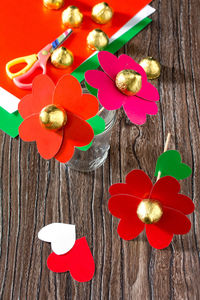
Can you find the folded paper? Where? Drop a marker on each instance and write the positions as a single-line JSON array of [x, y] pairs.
[[66, 95], [169, 163], [110, 97], [159, 209], [61, 236]]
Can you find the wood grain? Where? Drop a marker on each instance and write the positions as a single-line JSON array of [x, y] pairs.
[[35, 192]]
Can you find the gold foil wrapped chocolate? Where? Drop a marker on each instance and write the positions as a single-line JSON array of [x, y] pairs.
[[128, 82], [102, 13], [53, 117], [149, 211], [53, 4], [62, 58], [97, 39], [72, 17], [151, 66]]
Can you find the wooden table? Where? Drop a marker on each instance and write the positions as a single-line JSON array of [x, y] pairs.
[[35, 192]]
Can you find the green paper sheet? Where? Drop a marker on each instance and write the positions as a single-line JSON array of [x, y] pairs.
[[93, 63], [9, 123]]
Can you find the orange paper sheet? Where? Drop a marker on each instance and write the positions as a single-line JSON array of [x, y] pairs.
[[27, 26]]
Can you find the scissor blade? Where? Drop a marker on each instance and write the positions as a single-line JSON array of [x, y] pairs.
[[60, 40]]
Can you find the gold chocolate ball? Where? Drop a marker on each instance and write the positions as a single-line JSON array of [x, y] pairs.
[[97, 39], [149, 211], [53, 117], [53, 4], [151, 66], [102, 13], [72, 16], [128, 82], [62, 58]]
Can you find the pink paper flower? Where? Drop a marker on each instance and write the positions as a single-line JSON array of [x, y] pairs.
[[110, 97]]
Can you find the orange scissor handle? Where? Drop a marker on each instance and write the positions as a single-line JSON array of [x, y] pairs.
[[29, 60]]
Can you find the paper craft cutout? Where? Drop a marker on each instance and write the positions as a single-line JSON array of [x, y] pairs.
[[126, 197], [78, 107], [98, 126], [9, 123], [137, 106], [61, 236], [8, 101], [15, 18], [169, 163], [78, 261]]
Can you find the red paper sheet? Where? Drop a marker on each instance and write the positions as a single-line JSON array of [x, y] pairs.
[[27, 26]]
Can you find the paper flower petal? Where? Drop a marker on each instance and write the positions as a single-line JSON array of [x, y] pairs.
[[148, 92], [169, 196], [157, 237], [26, 107], [42, 95], [140, 182], [78, 261], [108, 95], [109, 63], [129, 63], [61, 236], [98, 126], [68, 94], [66, 152], [97, 79], [48, 142], [182, 203], [110, 98], [130, 228], [169, 164], [121, 188], [123, 206], [77, 132], [27, 130], [42, 90], [161, 193], [137, 109], [174, 221]]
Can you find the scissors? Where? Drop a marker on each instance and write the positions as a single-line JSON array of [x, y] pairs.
[[34, 62]]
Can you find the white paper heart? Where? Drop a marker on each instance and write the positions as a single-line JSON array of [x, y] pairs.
[[61, 236]]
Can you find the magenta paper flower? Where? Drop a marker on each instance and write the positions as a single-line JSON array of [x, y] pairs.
[[110, 97]]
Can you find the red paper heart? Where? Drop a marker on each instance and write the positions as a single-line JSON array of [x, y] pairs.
[[78, 261]]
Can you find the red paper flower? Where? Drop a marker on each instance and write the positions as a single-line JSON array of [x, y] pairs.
[[158, 208], [69, 101]]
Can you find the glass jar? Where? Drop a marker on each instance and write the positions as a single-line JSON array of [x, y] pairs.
[[96, 155]]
